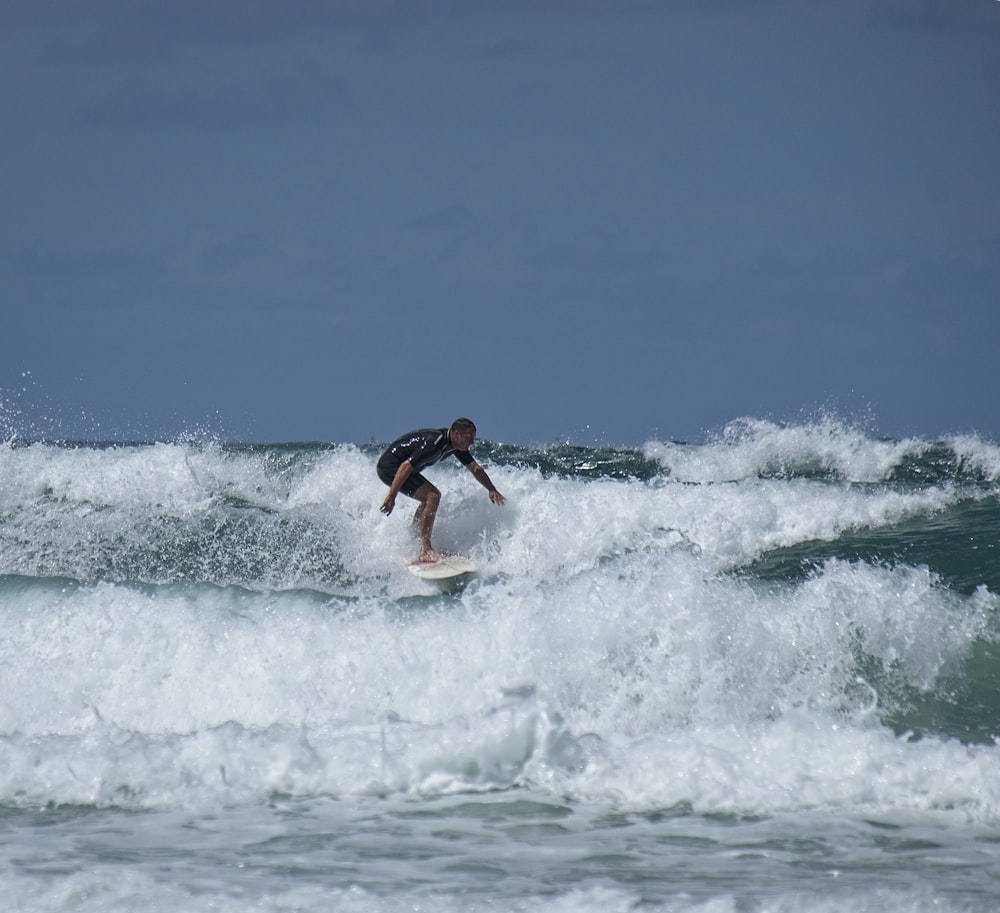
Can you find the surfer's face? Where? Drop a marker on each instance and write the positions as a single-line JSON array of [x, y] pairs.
[[462, 440]]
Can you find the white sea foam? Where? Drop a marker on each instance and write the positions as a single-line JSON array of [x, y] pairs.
[[202, 635], [747, 448], [123, 890], [978, 454], [640, 679]]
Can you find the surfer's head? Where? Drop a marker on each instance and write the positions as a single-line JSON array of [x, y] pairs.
[[462, 433]]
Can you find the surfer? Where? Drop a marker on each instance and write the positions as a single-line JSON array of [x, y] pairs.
[[399, 468]]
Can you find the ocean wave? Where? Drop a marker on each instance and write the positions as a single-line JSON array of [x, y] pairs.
[[829, 449], [762, 623]]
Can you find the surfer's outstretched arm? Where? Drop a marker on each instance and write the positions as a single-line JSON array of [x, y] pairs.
[[483, 479]]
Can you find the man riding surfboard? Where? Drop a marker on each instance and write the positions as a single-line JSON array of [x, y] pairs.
[[399, 468]]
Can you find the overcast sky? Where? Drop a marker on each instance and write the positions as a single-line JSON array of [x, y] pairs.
[[601, 221]]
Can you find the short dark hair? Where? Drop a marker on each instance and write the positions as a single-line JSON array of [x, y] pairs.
[[463, 424]]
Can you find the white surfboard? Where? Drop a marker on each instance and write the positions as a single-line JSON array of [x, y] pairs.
[[442, 569]]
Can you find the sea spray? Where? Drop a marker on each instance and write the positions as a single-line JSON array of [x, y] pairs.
[[781, 645]]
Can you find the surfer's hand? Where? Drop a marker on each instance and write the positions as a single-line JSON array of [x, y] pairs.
[[388, 504], [497, 498]]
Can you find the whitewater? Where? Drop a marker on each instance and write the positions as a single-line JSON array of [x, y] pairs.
[[758, 673]]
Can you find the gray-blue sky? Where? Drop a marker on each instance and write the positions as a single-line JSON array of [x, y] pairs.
[[602, 220]]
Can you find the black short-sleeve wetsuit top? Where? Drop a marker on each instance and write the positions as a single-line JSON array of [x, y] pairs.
[[422, 448]]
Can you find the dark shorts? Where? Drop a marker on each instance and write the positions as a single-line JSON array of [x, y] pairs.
[[412, 483]]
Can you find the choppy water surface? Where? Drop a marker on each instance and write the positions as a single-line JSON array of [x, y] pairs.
[[756, 674]]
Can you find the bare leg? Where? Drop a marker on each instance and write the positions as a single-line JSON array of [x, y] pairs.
[[429, 498]]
